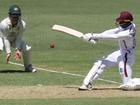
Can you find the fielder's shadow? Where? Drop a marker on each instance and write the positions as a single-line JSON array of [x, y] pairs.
[[12, 71]]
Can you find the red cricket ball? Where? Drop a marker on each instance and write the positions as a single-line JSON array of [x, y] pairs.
[[52, 45]]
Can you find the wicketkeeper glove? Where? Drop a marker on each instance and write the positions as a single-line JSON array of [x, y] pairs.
[[8, 57], [17, 55]]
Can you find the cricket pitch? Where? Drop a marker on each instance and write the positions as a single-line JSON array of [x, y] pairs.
[[44, 92]]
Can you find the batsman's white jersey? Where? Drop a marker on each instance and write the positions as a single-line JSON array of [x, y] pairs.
[[124, 57], [125, 37], [12, 37]]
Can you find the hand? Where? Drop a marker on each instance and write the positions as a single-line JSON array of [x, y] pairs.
[[17, 55], [87, 36], [8, 57]]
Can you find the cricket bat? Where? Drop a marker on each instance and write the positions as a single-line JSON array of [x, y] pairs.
[[70, 31]]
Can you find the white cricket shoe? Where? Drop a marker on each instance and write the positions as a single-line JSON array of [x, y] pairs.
[[137, 87], [126, 87], [85, 87], [133, 84], [136, 83], [29, 68]]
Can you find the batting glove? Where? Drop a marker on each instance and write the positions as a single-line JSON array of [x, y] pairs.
[[8, 58], [89, 38], [17, 55]]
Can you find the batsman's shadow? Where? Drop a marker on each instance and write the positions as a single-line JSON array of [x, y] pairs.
[[96, 88], [12, 71], [106, 88]]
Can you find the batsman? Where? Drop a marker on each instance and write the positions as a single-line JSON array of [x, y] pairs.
[[123, 58], [11, 32]]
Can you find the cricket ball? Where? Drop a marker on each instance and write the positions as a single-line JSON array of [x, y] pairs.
[[52, 45]]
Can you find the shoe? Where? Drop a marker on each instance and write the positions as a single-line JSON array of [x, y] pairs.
[[133, 84], [137, 87], [136, 83], [85, 87], [29, 68], [126, 87], [129, 87]]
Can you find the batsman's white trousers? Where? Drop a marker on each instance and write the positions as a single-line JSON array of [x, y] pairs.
[[121, 58], [124, 60]]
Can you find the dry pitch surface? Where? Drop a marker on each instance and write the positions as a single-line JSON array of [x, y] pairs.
[[28, 92]]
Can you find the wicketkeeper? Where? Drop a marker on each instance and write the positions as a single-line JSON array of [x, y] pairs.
[[11, 31], [123, 57]]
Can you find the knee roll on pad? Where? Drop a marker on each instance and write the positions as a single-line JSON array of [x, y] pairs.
[[98, 63]]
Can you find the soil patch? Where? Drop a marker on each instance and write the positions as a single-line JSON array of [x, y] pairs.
[[28, 92]]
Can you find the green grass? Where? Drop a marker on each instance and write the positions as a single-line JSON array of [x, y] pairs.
[[70, 54], [77, 101]]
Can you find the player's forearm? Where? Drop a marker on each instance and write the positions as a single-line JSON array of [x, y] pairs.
[[110, 36], [7, 45]]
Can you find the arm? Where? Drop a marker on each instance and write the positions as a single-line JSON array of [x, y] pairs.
[[8, 51], [113, 36], [6, 43], [20, 35], [1, 30], [18, 46], [19, 41]]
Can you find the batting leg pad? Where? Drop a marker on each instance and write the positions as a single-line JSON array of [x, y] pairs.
[[94, 73]]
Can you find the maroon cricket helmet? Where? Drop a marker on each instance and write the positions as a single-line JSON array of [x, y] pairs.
[[124, 17]]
